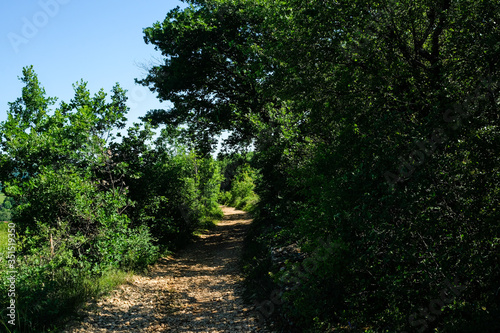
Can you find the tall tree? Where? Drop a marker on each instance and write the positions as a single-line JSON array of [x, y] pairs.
[[212, 71]]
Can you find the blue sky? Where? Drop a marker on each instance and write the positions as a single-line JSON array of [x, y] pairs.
[[100, 42]]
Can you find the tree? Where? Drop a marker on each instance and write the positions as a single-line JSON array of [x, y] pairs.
[[174, 191], [36, 140], [212, 71], [69, 198], [375, 124]]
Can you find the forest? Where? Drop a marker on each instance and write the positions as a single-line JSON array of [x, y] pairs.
[[363, 138]]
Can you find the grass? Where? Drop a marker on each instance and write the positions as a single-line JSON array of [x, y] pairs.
[[205, 226], [74, 296], [109, 281], [3, 238], [92, 289], [4, 327], [210, 221]]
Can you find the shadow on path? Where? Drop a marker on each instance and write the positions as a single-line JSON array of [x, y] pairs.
[[196, 290]]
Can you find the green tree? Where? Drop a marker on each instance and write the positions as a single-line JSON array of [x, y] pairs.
[[172, 188], [374, 124], [69, 199], [36, 139], [224, 88]]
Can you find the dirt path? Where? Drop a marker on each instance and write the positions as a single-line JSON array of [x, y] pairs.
[[197, 290]]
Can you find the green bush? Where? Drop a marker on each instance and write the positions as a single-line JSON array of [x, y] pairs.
[[69, 202], [225, 197], [50, 286], [5, 215], [240, 187], [130, 249]]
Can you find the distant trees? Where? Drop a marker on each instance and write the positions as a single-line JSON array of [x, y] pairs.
[[173, 189], [375, 124]]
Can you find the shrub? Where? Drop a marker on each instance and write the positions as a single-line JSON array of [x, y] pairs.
[[130, 249]]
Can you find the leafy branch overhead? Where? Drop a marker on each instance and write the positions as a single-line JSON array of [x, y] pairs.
[[211, 71]]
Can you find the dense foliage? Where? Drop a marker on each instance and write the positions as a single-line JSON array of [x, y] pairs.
[[375, 127], [5, 207], [88, 206], [238, 186]]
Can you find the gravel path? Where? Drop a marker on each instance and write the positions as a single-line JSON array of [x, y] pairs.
[[197, 290]]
